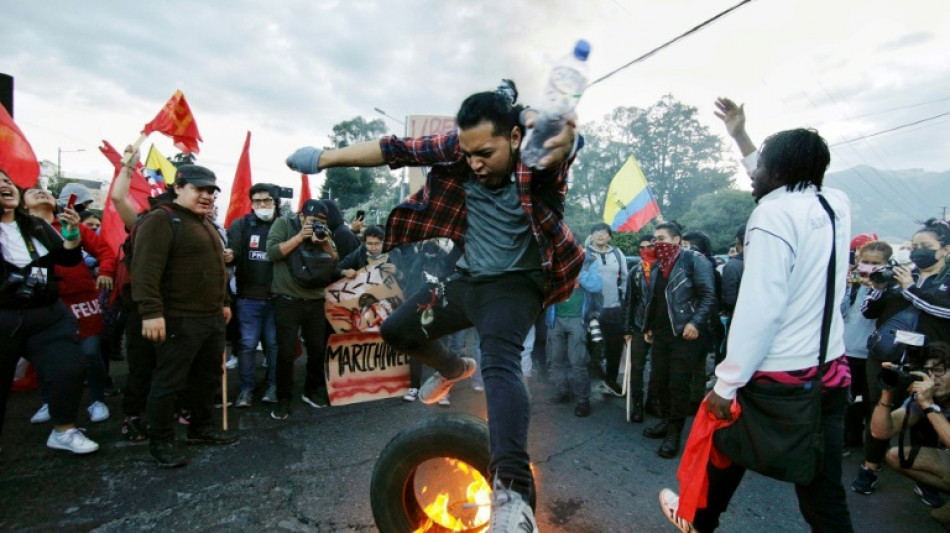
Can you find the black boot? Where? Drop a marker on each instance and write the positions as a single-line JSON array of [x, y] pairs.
[[659, 431], [166, 453], [670, 447], [636, 411]]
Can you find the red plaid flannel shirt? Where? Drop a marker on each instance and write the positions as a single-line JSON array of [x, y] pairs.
[[438, 209]]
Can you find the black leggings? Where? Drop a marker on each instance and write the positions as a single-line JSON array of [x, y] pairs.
[[47, 337]]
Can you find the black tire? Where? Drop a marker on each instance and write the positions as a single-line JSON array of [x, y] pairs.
[[392, 497]]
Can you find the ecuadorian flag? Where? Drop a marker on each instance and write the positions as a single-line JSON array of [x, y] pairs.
[[160, 165], [630, 203]]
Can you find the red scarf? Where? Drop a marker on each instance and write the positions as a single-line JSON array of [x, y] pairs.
[[667, 253]]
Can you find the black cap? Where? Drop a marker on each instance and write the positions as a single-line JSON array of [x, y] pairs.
[[198, 176], [312, 208]]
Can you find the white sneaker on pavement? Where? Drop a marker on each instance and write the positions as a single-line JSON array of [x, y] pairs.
[[41, 416], [412, 395], [98, 411], [72, 440], [445, 402], [670, 502], [232, 363], [437, 387], [509, 512]]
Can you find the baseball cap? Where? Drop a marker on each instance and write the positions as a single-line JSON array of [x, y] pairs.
[[198, 176], [862, 239], [312, 208]]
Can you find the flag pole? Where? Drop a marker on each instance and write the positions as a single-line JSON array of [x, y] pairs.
[[135, 148], [224, 389]]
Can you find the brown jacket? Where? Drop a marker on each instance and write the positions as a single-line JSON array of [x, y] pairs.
[[189, 280]]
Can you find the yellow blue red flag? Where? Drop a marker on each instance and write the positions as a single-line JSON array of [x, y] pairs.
[[630, 203], [158, 163]]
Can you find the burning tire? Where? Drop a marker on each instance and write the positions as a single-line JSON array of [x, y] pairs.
[[393, 490]]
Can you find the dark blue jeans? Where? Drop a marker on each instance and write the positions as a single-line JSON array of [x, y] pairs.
[[256, 320], [822, 503], [502, 309]]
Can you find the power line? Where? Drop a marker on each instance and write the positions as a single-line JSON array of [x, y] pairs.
[[902, 107], [668, 43], [895, 128]]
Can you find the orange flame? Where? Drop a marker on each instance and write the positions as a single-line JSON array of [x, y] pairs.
[[477, 495]]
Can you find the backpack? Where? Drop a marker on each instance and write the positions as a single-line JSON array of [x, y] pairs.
[[882, 344], [123, 272], [310, 266]]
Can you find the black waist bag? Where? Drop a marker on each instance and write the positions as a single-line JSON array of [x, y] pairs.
[[778, 433], [312, 267]]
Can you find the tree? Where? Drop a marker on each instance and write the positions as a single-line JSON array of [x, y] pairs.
[[680, 158], [719, 215], [353, 186]]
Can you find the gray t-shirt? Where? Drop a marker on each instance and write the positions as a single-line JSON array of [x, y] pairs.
[[498, 238]]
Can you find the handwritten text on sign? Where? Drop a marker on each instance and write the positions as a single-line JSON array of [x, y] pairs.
[[360, 367]]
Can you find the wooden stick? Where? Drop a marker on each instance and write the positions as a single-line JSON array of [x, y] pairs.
[[626, 379], [224, 389], [135, 148]]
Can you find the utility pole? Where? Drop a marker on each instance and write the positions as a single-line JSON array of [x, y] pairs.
[[944, 217]]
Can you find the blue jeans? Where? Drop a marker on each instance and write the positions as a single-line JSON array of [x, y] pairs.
[[256, 320], [502, 309], [567, 354]]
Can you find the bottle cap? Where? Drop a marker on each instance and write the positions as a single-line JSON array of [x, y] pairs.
[[582, 49]]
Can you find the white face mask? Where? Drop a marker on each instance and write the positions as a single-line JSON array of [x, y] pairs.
[[902, 256], [264, 214]]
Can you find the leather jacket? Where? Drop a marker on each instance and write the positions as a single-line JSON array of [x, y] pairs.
[[690, 293], [635, 300]]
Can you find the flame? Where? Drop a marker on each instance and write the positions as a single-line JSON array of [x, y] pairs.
[[477, 495]]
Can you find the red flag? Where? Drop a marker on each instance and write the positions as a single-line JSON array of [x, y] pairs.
[[113, 229], [240, 204], [176, 121], [304, 191], [16, 155]]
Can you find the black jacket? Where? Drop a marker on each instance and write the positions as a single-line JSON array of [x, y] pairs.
[[731, 278], [343, 237], [690, 293], [42, 294], [635, 300]]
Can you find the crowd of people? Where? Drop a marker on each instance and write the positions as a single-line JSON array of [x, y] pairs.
[[483, 249]]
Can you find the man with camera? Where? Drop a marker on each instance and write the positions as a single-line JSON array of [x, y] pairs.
[[613, 271], [299, 309], [925, 412]]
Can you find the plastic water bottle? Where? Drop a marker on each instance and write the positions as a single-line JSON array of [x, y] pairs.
[[565, 86]]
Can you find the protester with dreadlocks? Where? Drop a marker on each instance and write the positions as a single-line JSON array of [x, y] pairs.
[[518, 256], [785, 323]]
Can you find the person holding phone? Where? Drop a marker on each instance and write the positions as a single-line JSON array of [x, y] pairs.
[[34, 323]]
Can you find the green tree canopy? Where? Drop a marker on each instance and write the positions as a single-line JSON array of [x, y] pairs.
[[680, 158], [354, 186], [719, 215]]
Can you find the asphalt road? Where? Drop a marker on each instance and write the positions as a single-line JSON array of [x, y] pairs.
[[312, 473]]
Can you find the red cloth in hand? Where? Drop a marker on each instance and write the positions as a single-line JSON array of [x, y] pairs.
[[699, 451]]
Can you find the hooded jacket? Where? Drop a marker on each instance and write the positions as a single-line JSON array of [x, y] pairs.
[[346, 241]]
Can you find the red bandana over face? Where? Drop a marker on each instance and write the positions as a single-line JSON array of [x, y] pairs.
[[667, 253]]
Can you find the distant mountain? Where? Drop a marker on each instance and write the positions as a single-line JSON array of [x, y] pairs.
[[891, 202]]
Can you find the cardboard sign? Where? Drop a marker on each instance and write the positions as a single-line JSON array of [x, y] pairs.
[[362, 303], [420, 126], [360, 367]]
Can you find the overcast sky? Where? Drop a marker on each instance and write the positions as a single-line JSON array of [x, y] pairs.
[[289, 70]]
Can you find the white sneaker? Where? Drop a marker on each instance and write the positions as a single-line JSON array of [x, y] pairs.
[[509, 512], [411, 395], [478, 388], [445, 402], [670, 502], [41, 416], [232, 363], [437, 387], [72, 440], [98, 411]]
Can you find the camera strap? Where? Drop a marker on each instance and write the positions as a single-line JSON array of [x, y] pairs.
[[908, 460], [30, 247], [829, 294]]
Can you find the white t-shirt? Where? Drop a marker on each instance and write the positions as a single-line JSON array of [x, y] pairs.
[[14, 247]]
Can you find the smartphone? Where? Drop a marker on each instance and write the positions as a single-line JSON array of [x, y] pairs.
[[71, 202], [360, 215]]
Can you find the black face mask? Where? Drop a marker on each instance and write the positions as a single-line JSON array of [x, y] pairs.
[[923, 258]]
